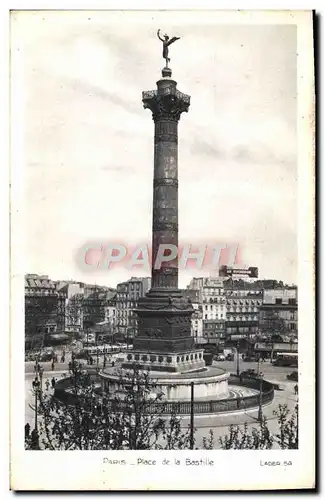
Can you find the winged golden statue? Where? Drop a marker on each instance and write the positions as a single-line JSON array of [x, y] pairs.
[[166, 42]]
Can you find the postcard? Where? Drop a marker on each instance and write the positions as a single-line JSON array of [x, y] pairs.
[[162, 250]]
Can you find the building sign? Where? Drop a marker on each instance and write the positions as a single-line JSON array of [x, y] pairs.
[[251, 272]]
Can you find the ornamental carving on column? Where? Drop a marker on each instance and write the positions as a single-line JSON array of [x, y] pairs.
[[168, 105], [165, 182], [164, 226]]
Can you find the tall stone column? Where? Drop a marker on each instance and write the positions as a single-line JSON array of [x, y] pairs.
[[164, 340], [166, 104]]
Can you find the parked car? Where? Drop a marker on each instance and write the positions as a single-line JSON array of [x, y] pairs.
[[47, 356], [220, 357], [80, 354], [248, 358], [249, 373], [293, 376]]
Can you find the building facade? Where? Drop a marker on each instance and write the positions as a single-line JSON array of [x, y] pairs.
[[212, 304], [95, 303], [127, 296], [44, 311], [73, 307], [196, 319], [279, 312], [242, 319]]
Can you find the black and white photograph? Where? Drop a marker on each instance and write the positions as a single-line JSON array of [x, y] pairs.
[[162, 179]]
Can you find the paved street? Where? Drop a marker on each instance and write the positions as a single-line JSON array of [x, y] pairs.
[[270, 372], [218, 423]]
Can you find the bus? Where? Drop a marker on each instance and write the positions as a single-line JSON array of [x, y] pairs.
[[286, 359], [103, 349]]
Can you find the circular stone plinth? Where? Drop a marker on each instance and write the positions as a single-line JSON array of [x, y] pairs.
[[210, 382]]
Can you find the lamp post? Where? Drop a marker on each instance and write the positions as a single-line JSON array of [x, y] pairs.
[[237, 353], [192, 418], [36, 387], [258, 364], [260, 409], [97, 354], [41, 370]]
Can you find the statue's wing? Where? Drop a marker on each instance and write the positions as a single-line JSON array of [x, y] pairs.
[[172, 40]]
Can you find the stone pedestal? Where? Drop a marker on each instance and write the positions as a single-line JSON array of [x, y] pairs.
[[210, 383]]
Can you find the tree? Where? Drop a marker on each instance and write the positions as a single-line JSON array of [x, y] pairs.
[[288, 435], [260, 438], [241, 439], [87, 421]]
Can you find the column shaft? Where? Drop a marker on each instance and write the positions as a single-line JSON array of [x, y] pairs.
[[165, 202]]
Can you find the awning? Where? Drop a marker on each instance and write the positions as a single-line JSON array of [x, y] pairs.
[[59, 336]]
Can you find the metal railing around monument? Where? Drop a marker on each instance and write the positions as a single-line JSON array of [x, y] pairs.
[[184, 407]]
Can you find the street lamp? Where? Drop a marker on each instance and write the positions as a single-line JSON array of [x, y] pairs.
[[97, 354], [36, 387], [41, 371], [237, 353], [192, 418], [260, 408]]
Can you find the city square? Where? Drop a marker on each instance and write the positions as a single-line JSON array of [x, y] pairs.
[[147, 364]]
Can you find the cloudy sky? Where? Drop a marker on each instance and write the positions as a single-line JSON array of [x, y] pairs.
[[88, 155]]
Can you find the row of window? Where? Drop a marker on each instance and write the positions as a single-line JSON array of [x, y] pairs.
[[126, 305], [242, 309], [291, 302], [211, 307], [212, 291], [214, 316], [127, 298], [240, 329], [243, 318], [212, 334], [218, 300], [250, 302]]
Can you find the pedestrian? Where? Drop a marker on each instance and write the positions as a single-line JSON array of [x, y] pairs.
[[53, 382], [296, 389], [53, 365], [34, 437], [104, 362], [113, 363], [47, 384], [27, 430]]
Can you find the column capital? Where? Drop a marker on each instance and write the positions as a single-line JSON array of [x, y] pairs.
[[166, 103]]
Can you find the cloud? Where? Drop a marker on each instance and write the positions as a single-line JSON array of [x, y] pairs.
[[89, 142]]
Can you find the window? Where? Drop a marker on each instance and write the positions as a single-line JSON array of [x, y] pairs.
[[292, 302], [205, 316], [278, 301]]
